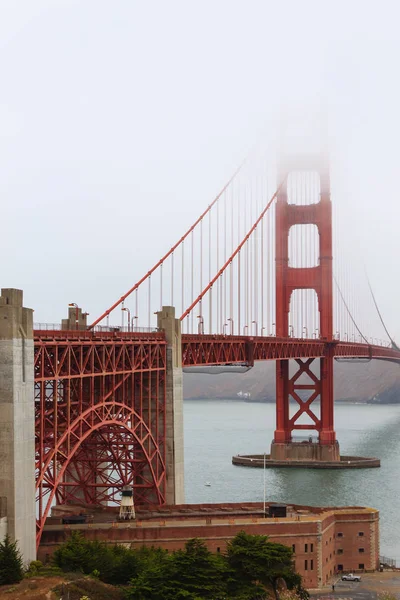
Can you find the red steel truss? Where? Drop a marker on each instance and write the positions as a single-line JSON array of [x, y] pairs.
[[205, 350], [100, 418]]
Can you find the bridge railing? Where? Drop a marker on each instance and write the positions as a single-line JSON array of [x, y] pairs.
[[98, 328]]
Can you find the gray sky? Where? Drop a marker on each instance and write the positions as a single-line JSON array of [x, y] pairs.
[[119, 122]]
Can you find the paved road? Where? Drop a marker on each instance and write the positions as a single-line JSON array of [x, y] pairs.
[[368, 588]]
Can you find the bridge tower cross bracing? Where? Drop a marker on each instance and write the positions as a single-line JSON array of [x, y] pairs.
[[320, 279]]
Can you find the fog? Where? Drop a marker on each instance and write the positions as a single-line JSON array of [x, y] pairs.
[[120, 121]]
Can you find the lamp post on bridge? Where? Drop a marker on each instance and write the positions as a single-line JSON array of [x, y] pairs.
[[346, 337], [126, 309], [232, 324], [291, 331], [262, 329], [134, 327], [272, 332], [244, 329], [76, 313], [256, 324], [200, 327], [224, 328], [306, 330], [337, 335]]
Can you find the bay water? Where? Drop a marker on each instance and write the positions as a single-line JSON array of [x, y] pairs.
[[215, 430]]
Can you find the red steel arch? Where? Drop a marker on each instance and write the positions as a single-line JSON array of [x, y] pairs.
[[100, 418]]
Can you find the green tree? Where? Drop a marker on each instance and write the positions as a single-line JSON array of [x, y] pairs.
[[190, 574], [11, 568], [255, 562], [111, 563]]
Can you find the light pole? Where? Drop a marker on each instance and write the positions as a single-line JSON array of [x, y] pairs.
[[273, 328], [262, 329], [256, 324], [265, 483], [337, 335], [126, 309], [232, 324], [316, 333], [346, 337], [306, 330], [134, 327], [291, 331], [224, 328], [244, 329], [76, 313], [200, 328]]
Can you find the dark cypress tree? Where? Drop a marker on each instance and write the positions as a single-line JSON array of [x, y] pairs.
[[11, 568]]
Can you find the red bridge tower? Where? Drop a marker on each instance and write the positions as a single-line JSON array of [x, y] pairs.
[[310, 381]]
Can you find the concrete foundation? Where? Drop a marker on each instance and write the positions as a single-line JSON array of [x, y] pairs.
[[174, 410], [345, 462], [17, 421], [307, 451]]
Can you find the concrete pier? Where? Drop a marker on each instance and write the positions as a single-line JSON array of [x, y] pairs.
[[174, 411], [17, 421]]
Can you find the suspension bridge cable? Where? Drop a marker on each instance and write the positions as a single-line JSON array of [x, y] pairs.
[[171, 251], [349, 313], [394, 345], [230, 259]]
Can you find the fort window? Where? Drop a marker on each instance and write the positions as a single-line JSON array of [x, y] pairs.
[[312, 565], [305, 547], [305, 565], [361, 549], [340, 567], [340, 551], [361, 566], [360, 533], [218, 549], [340, 535], [311, 547], [294, 548]]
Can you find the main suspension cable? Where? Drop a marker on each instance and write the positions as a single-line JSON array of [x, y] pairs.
[[394, 345]]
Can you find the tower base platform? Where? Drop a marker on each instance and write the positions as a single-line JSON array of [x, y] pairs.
[[271, 461]]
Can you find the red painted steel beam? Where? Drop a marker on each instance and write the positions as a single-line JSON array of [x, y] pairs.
[[100, 404], [222, 350]]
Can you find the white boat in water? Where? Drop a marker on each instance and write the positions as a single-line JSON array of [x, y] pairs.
[[243, 394], [208, 484]]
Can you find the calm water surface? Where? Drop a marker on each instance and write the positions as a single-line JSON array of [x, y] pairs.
[[216, 430]]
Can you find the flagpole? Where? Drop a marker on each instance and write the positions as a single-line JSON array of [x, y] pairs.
[[264, 483]]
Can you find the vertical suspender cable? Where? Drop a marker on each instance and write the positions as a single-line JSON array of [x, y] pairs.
[[161, 285], [218, 283], [172, 279], [149, 299], [192, 276], [183, 277], [201, 265], [239, 293], [136, 315]]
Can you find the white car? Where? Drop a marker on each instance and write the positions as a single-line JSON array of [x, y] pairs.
[[351, 577]]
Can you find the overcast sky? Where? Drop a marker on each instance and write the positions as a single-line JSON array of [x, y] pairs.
[[121, 120]]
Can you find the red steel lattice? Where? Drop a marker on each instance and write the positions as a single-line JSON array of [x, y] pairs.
[[100, 418]]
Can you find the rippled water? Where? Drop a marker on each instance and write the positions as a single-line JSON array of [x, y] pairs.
[[216, 430]]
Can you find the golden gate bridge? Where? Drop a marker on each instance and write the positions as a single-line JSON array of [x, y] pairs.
[[252, 279]]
